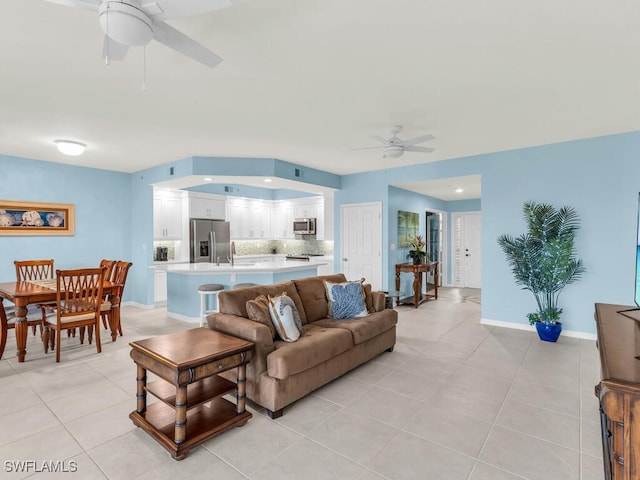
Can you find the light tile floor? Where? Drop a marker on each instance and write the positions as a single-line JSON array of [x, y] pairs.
[[454, 400]]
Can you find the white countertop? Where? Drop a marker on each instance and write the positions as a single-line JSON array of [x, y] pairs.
[[243, 266]]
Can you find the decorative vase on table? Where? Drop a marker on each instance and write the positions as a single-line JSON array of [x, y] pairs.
[[417, 254]]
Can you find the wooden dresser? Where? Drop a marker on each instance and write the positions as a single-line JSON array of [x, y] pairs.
[[619, 389]]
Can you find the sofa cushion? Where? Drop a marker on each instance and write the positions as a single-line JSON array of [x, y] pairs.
[[284, 316], [313, 296], [346, 300], [258, 311], [368, 297], [235, 301], [364, 328], [316, 345]]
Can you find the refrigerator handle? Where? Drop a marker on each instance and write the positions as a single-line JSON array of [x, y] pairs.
[[213, 249]]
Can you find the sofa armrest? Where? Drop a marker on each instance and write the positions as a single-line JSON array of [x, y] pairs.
[[249, 330], [378, 301]]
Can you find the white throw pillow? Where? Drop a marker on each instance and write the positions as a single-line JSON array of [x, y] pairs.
[[346, 300], [285, 318]]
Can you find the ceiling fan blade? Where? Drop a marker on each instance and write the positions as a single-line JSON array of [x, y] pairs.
[[380, 139], [413, 141], [368, 148], [163, 9], [172, 38], [419, 149], [112, 50], [90, 4]]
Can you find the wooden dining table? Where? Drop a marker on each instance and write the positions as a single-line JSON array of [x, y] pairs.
[[23, 294]]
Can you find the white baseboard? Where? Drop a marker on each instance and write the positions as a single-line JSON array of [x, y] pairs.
[[184, 318], [138, 305], [531, 328]]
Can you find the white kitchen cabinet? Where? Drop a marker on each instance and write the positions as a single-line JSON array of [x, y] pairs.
[[249, 219], [237, 218], [160, 286], [312, 207], [282, 224], [206, 206], [167, 215]]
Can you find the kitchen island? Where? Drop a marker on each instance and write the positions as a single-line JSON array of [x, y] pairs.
[[183, 280]]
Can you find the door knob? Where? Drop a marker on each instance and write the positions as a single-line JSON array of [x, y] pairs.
[[345, 259]]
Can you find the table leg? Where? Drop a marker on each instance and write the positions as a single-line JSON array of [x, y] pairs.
[[242, 388], [141, 390], [4, 329], [21, 332], [417, 288], [181, 415], [436, 280], [114, 321]]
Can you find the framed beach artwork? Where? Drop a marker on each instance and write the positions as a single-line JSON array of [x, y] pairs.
[[408, 226], [31, 218]]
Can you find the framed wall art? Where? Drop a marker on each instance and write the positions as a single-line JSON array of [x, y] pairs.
[[408, 226], [31, 218]]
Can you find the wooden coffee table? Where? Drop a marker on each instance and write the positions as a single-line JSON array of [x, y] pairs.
[[191, 409]]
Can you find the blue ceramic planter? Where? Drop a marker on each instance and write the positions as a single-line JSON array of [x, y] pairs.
[[548, 333]]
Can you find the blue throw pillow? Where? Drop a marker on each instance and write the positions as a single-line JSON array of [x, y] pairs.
[[346, 300]]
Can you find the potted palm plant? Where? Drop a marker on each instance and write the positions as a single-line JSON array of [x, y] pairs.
[[417, 253], [543, 261]]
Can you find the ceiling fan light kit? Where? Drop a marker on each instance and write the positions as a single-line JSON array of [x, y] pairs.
[[130, 23], [125, 24]]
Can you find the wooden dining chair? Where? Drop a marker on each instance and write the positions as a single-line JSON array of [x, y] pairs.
[[26, 271], [4, 327], [78, 301], [111, 308]]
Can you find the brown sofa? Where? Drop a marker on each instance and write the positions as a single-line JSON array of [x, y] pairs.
[[279, 372]]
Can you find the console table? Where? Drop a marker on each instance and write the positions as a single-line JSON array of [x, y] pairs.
[[191, 409], [418, 271]]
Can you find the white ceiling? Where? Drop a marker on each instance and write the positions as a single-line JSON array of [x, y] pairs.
[[306, 81]]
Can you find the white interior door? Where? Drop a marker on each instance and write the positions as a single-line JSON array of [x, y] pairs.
[[467, 252], [361, 245]]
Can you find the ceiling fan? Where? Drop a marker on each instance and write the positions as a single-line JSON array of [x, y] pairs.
[[134, 23], [395, 146]]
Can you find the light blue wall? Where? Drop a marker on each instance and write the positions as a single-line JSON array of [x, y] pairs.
[[600, 177], [102, 202]]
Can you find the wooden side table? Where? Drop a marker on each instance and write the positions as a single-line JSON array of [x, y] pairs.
[[417, 271], [191, 409]]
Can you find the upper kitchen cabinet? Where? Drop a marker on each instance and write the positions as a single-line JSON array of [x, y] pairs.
[[167, 214], [249, 219], [312, 207], [282, 220], [203, 205]]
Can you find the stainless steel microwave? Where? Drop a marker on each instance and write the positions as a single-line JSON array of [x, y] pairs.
[[304, 226]]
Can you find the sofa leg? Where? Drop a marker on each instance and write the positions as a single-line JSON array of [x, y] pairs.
[[390, 349], [275, 414]]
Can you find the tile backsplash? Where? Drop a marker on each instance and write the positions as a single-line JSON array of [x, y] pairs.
[[296, 247]]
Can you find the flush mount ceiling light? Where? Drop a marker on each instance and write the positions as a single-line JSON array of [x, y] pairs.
[[208, 179], [69, 147], [459, 190], [268, 180]]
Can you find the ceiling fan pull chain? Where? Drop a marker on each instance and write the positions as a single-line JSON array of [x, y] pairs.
[[108, 39], [144, 69]]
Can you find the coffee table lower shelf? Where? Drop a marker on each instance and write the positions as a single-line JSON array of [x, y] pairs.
[[203, 422]]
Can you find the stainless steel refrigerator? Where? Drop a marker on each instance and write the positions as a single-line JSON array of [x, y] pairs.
[[210, 241]]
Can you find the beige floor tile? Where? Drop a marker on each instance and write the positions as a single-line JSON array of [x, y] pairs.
[[550, 398], [129, 455], [591, 438], [94, 398], [26, 422], [410, 457], [103, 425], [482, 471], [54, 444], [544, 424], [371, 372], [530, 457], [342, 391], [406, 384], [354, 435], [451, 429], [387, 406], [307, 413], [81, 466], [8, 395], [309, 461], [592, 468], [250, 447], [476, 402], [200, 464]]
